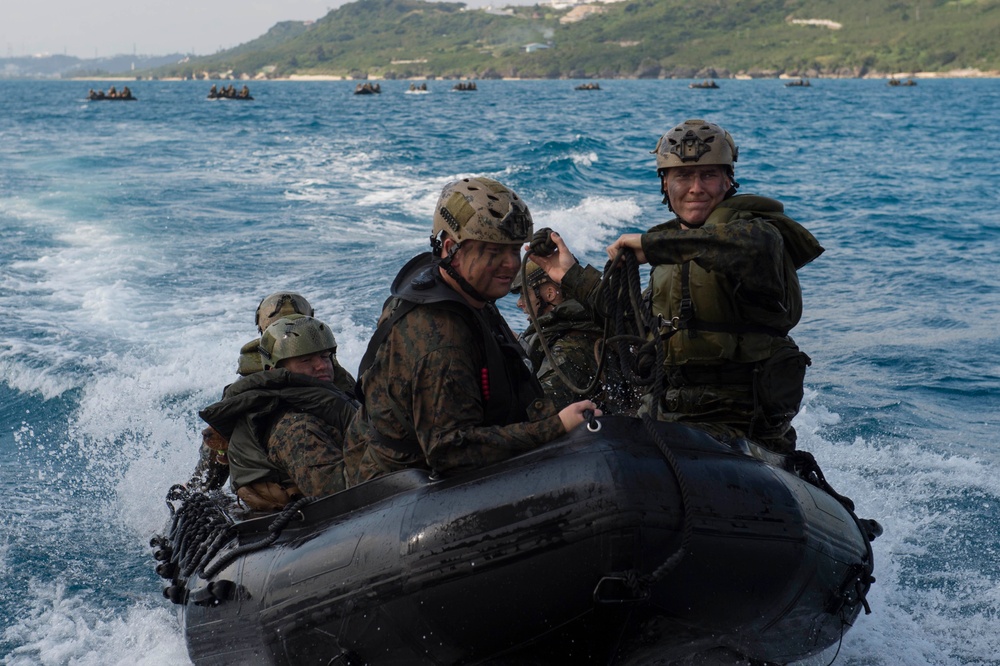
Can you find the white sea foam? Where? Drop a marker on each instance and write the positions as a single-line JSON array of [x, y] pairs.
[[58, 626], [901, 486], [591, 225]]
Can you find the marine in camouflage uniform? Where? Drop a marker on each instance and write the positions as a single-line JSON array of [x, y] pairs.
[[445, 384], [285, 427], [725, 289], [212, 469], [574, 341]]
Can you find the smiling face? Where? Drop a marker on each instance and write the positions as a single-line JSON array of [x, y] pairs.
[[488, 267], [695, 191]]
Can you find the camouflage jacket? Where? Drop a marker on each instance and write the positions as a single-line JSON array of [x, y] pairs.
[[284, 427], [427, 392], [740, 269], [573, 338]]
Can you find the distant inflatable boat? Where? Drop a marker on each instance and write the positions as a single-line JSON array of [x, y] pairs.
[[704, 84], [631, 544]]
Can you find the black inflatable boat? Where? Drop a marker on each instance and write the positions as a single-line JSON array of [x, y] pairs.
[[617, 546]]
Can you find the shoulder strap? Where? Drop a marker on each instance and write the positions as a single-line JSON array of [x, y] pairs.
[[399, 310]]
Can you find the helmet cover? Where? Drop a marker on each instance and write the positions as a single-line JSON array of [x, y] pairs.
[[482, 209], [280, 304], [694, 143], [294, 335]]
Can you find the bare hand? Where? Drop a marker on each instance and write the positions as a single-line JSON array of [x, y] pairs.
[[573, 415], [558, 263], [632, 242]]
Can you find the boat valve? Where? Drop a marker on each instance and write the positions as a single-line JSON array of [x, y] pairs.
[[593, 425]]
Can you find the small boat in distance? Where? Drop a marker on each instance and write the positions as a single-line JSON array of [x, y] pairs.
[[798, 83], [230, 92], [707, 83], [368, 89], [588, 86], [125, 95]]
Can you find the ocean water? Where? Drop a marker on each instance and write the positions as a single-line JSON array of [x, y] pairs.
[[138, 237]]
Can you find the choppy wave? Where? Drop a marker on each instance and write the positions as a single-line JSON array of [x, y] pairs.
[[139, 238]]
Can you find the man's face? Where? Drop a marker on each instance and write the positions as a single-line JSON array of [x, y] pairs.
[[317, 366], [548, 291], [489, 267], [695, 191]]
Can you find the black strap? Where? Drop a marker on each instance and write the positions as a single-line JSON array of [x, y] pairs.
[[400, 309]]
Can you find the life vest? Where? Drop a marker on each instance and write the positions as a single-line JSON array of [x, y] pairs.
[[509, 385], [252, 405], [716, 326]]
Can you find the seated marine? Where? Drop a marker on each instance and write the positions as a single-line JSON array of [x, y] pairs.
[[575, 343], [212, 469], [286, 424], [444, 382]]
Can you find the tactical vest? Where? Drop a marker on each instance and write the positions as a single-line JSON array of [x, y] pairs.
[[509, 384], [714, 326]]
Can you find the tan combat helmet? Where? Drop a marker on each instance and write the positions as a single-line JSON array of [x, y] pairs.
[[481, 209], [695, 142], [294, 335], [535, 276], [280, 304]]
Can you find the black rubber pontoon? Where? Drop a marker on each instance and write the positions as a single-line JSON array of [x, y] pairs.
[[571, 553]]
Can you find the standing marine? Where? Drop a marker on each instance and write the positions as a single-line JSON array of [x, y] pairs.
[[723, 294], [444, 385]]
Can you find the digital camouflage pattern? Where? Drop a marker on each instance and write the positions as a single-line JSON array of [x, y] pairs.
[[424, 407], [283, 428], [212, 470], [310, 450], [573, 339], [742, 272]]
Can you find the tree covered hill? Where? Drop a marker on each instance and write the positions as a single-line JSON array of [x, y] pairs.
[[627, 39]]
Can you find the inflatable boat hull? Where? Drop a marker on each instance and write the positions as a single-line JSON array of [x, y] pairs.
[[566, 554]]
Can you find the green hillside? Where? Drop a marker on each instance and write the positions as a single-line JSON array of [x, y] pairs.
[[630, 39]]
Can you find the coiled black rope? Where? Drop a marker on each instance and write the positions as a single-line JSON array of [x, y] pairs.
[[275, 528], [199, 530], [643, 361]]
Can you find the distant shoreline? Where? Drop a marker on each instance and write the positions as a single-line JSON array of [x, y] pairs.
[[951, 74]]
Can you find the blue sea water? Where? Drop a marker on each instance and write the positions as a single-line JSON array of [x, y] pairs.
[[138, 237]]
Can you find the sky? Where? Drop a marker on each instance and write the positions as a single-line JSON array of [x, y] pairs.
[[99, 28]]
